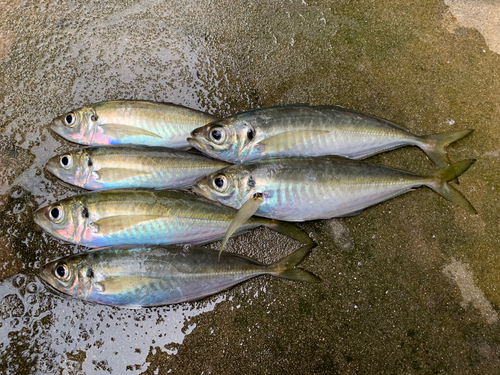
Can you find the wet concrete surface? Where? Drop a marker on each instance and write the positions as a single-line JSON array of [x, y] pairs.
[[409, 286]]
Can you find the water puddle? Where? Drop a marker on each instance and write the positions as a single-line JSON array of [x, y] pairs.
[[42, 332]]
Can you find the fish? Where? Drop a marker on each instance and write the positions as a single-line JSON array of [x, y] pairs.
[[161, 275], [113, 167], [302, 131], [301, 189], [145, 217], [127, 122]]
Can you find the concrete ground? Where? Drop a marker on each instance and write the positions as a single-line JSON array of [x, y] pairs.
[[409, 286]]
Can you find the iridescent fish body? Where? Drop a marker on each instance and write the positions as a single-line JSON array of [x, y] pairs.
[[145, 217], [113, 167], [153, 276], [302, 130], [299, 189], [126, 122]]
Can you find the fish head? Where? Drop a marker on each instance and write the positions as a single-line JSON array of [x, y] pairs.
[[71, 275], [77, 126], [230, 139], [64, 219], [74, 167], [231, 186]]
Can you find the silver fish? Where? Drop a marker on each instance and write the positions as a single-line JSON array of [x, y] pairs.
[[127, 122], [143, 277], [299, 189], [113, 167], [145, 217], [301, 131]]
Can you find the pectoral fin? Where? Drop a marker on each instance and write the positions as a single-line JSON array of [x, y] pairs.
[[118, 174], [245, 212], [119, 285], [124, 131], [119, 223], [288, 140]]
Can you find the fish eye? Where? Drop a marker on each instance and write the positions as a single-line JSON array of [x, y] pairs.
[[66, 161], [62, 271], [220, 182], [94, 117], [56, 213], [218, 135], [70, 119]]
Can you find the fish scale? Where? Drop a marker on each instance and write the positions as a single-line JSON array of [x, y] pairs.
[[302, 131], [299, 189], [131, 122], [138, 217], [112, 167], [152, 276]]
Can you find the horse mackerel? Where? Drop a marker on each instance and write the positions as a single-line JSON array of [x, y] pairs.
[[302, 130], [300, 189], [145, 217], [113, 167], [153, 276], [130, 122]]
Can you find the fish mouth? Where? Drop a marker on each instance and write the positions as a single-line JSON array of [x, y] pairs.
[[52, 166], [199, 191], [46, 273], [41, 220], [60, 130], [55, 128], [199, 145], [57, 125]]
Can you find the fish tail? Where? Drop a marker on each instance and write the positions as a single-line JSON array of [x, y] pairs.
[[289, 230], [434, 145], [285, 268], [440, 184]]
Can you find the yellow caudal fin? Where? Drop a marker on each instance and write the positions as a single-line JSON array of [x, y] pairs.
[[441, 186], [434, 145], [285, 268]]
